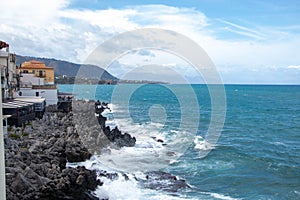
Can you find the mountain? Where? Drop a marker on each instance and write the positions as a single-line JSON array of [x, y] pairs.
[[70, 69]]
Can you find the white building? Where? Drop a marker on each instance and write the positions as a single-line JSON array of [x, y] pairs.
[[49, 92]]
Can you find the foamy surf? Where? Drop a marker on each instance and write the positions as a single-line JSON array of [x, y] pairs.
[[125, 187], [121, 189], [201, 144], [220, 196], [148, 154], [155, 147]]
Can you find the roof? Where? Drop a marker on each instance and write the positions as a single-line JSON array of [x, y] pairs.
[[3, 45], [30, 99], [34, 64], [16, 104]]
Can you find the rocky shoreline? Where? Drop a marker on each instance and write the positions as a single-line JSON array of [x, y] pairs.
[[37, 153], [114, 135], [36, 157]]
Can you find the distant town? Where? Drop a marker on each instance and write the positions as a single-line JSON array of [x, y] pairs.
[[80, 80]]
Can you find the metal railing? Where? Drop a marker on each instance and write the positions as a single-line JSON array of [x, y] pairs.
[[44, 87]]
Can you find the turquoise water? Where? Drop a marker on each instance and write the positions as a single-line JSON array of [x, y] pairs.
[[258, 153]]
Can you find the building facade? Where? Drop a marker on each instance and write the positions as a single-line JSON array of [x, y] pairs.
[[38, 69], [38, 80], [9, 76]]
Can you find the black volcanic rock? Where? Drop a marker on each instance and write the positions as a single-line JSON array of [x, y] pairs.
[[114, 135], [159, 180], [102, 121]]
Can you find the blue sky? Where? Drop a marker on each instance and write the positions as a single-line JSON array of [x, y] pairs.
[[254, 41], [255, 12], [270, 12]]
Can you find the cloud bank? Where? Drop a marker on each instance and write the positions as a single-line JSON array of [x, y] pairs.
[[249, 54]]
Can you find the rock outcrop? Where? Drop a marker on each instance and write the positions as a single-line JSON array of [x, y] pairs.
[[114, 135], [93, 130], [159, 180], [36, 157], [88, 128]]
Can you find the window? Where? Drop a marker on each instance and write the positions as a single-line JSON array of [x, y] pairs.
[[20, 93], [37, 94], [40, 73]]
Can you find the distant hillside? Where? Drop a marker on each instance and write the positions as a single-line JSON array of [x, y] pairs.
[[70, 69]]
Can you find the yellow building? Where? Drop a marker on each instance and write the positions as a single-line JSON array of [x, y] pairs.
[[39, 69]]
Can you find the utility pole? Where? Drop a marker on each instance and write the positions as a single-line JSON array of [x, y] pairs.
[[2, 151]]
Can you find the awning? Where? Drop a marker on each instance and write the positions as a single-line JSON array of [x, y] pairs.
[[30, 99], [16, 104], [5, 116]]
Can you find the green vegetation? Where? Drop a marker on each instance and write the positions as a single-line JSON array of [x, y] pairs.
[[25, 134], [14, 135]]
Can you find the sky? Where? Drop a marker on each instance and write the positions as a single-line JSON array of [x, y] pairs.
[[249, 41]]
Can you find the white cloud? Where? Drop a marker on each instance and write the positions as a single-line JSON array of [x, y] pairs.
[[294, 67], [33, 27], [171, 17], [31, 12], [243, 30], [110, 20]]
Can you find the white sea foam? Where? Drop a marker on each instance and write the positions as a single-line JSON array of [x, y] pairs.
[[202, 144], [278, 144], [167, 197], [220, 196], [119, 189], [154, 148]]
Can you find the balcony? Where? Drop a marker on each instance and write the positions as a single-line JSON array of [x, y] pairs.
[[4, 54], [41, 75], [54, 87], [16, 75]]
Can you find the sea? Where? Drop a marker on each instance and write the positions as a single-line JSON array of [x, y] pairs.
[[256, 156]]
